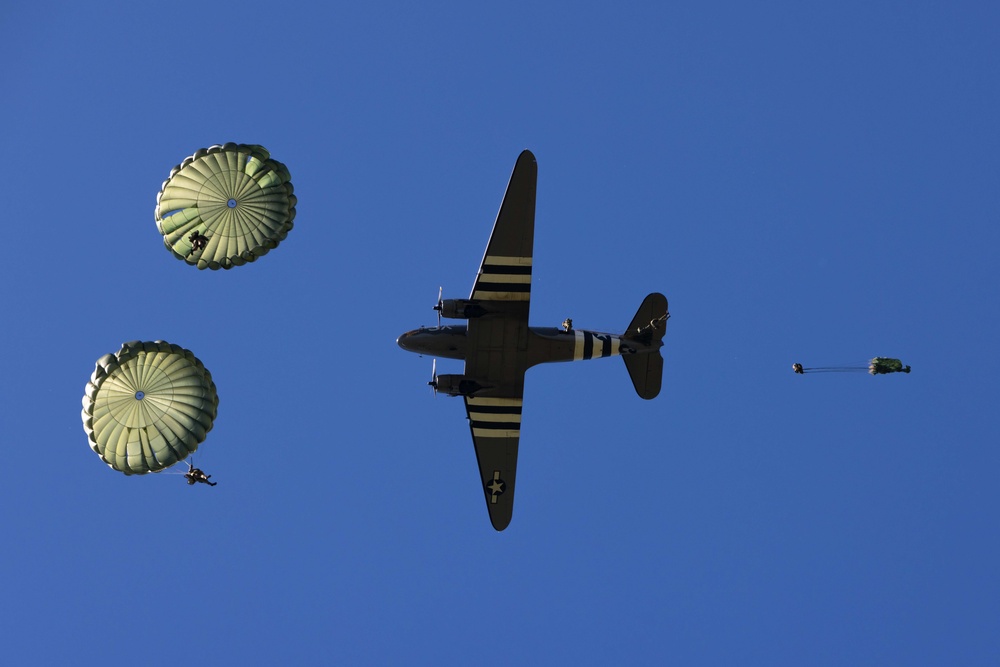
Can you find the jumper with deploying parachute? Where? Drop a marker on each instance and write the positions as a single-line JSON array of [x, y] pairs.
[[877, 366]]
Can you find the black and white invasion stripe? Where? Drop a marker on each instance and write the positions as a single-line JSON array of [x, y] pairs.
[[495, 417], [593, 345], [504, 279]]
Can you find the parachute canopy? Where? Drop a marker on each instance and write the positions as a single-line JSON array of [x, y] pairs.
[[877, 366], [226, 205], [883, 365], [148, 407]]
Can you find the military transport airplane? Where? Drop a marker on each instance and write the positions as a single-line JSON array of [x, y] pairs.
[[498, 346]]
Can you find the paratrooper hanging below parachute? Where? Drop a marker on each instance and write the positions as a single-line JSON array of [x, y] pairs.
[[877, 366]]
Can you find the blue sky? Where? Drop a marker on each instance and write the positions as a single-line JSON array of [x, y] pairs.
[[804, 181]]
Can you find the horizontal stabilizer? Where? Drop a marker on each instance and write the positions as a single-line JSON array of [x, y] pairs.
[[646, 371], [645, 337]]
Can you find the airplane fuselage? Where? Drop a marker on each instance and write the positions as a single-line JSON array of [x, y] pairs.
[[544, 344]]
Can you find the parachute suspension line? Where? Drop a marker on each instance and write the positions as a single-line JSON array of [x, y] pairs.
[[841, 368], [835, 369], [189, 461]]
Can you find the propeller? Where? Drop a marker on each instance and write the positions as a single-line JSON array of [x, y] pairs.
[[439, 305], [434, 377]]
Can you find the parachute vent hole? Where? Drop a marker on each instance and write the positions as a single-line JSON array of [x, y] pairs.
[[139, 395], [231, 203]]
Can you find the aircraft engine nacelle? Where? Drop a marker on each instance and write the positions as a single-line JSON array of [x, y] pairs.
[[457, 385], [461, 309]]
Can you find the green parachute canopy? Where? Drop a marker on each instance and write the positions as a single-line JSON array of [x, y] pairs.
[[877, 366], [148, 406], [226, 205], [883, 365]]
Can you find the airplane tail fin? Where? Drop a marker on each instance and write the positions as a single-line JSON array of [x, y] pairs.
[[643, 340]]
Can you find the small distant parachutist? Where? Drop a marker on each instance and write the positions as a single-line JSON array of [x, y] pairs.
[[194, 475], [644, 334], [198, 241], [655, 324], [877, 366]]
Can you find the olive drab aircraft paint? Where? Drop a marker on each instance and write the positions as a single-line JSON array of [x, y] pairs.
[[498, 346]]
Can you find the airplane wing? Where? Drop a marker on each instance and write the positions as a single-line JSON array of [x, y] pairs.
[[505, 272], [497, 343], [496, 428]]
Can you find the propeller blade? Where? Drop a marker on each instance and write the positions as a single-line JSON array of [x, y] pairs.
[[439, 305], [434, 377]]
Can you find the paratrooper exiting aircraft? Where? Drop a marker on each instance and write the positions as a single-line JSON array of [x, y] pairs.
[[498, 346]]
